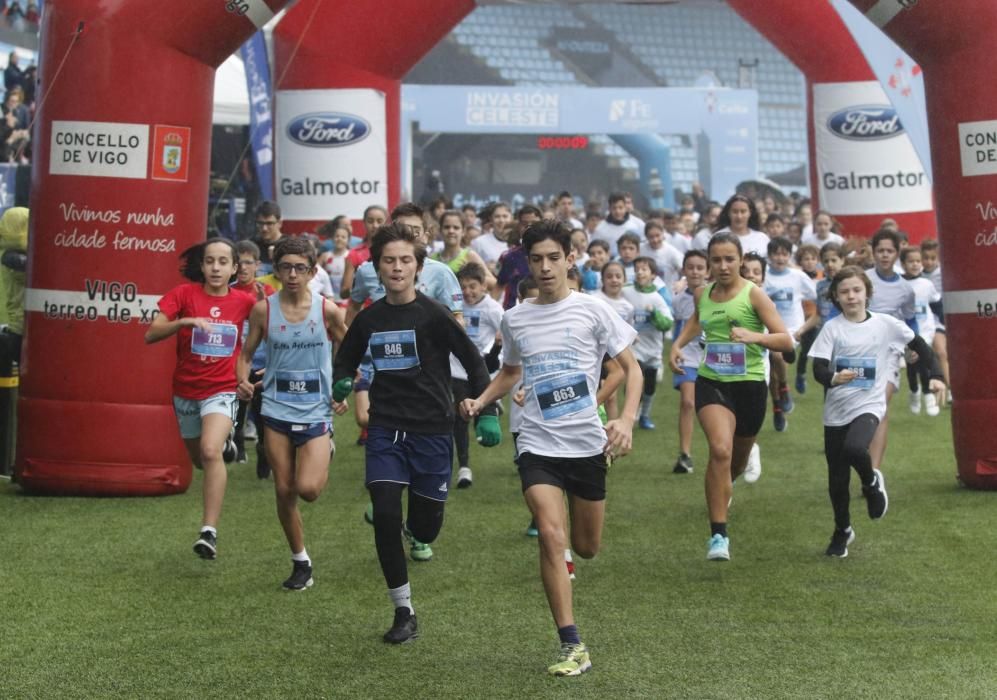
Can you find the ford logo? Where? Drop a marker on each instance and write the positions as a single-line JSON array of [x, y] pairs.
[[866, 123], [327, 129]]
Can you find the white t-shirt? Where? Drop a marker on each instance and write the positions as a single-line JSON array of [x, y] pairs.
[[489, 247], [668, 259], [683, 305], [650, 341], [623, 308], [609, 232], [870, 347], [893, 296], [752, 242], [482, 322], [924, 295], [560, 347], [321, 284], [335, 267], [681, 242], [812, 239], [788, 289]]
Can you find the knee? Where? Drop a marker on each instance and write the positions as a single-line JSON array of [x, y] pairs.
[[285, 491], [309, 492], [210, 454], [586, 550], [552, 536], [688, 404], [720, 454]]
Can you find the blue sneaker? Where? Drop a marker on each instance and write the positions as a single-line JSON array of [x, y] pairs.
[[801, 384], [645, 423], [719, 548], [779, 421], [531, 529], [787, 403]]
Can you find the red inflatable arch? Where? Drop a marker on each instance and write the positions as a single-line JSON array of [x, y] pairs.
[[122, 160]]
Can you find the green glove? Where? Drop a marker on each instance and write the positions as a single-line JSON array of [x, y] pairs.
[[661, 321], [342, 389], [488, 431], [603, 416]]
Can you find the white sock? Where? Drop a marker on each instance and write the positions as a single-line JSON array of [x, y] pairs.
[[301, 556], [208, 528], [401, 597], [567, 555]]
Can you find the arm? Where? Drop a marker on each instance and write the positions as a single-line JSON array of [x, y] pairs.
[[828, 377], [777, 338], [503, 383], [163, 328], [813, 320], [614, 377], [334, 322], [257, 319], [16, 260], [690, 329], [619, 432], [347, 284], [490, 281]]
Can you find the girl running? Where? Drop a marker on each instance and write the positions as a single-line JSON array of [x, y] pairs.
[[298, 327], [207, 318], [730, 390], [455, 254]]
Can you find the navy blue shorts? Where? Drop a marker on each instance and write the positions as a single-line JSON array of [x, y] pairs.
[[421, 462], [299, 433]]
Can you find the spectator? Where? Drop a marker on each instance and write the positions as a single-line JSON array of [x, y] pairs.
[[31, 15], [267, 233], [12, 74], [14, 127]]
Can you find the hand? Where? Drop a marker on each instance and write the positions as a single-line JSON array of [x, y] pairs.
[[798, 337], [740, 334], [469, 408], [843, 377], [340, 407], [488, 431], [938, 388], [619, 437], [520, 396], [199, 323], [674, 358], [341, 389], [244, 389]]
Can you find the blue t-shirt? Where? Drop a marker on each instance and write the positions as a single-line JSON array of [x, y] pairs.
[[437, 281]]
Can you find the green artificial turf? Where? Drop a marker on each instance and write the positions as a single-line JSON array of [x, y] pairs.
[[104, 598]]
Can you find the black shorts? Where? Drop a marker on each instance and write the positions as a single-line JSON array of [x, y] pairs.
[[584, 477], [747, 400]]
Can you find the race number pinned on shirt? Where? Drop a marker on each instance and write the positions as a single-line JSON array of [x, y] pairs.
[[219, 341], [472, 323], [864, 368], [298, 386], [642, 319], [394, 350], [783, 298], [921, 313], [726, 358], [562, 396]]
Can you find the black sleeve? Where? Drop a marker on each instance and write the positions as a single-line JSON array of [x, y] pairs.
[[924, 354], [937, 308], [822, 371], [468, 355], [15, 260], [351, 350], [492, 358]]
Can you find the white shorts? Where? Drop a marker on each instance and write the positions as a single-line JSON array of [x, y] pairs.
[[191, 411]]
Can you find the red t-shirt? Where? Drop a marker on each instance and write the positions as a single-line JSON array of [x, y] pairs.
[[206, 360], [359, 255]]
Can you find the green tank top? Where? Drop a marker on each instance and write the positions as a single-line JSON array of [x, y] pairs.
[[724, 360], [456, 263]]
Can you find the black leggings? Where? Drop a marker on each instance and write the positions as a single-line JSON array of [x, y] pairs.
[[425, 518], [240, 417], [806, 340], [847, 446], [650, 378], [461, 390], [919, 371]]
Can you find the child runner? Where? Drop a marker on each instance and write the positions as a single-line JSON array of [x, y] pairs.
[[592, 269], [373, 216], [245, 281], [925, 295], [629, 249], [652, 318], [665, 255], [335, 261], [410, 441], [933, 271], [694, 265], [563, 444], [852, 358], [298, 327], [807, 259], [788, 287], [207, 317], [730, 391], [482, 322], [753, 269], [613, 281], [832, 260], [739, 217]]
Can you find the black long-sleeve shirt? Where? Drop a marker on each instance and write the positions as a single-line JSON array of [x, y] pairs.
[[410, 345]]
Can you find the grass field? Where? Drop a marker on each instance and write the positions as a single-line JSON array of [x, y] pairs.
[[103, 597]]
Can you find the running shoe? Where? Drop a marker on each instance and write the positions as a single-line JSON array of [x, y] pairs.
[[300, 578], [786, 401], [403, 629], [719, 548], [572, 660], [206, 546], [914, 402], [801, 384], [464, 477], [683, 465], [419, 551], [839, 543], [531, 529], [779, 421], [645, 423], [368, 514], [240, 455], [875, 496], [754, 468], [362, 440], [931, 404], [571, 569], [229, 452]]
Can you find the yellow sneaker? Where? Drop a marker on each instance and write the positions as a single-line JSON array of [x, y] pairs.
[[573, 660]]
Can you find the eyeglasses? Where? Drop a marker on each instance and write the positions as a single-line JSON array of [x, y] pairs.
[[300, 268]]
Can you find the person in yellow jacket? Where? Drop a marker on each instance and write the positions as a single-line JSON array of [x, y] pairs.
[[13, 263]]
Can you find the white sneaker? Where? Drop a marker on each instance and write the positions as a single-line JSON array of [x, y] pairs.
[[753, 470], [463, 477], [930, 404], [914, 402]]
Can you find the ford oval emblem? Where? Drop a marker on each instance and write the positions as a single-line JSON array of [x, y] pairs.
[[866, 123], [327, 129]]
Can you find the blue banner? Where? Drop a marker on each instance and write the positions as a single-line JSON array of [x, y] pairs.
[[254, 56]]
